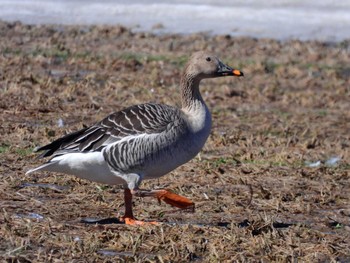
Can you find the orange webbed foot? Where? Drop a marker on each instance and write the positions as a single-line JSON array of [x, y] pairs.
[[133, 222], [168, 197], [174, 199]]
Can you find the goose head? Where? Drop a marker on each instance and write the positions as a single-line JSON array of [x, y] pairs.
[[204, 65]]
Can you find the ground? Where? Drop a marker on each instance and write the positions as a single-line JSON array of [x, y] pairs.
[[260, 192]]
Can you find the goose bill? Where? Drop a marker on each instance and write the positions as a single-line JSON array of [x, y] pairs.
[[228, 71]]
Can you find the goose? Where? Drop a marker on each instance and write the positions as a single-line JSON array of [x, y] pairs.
[[144, 141]]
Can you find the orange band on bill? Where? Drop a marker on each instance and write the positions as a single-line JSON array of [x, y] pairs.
[[236, 72]]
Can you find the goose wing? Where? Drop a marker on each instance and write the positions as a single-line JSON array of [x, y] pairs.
[[140, 119]]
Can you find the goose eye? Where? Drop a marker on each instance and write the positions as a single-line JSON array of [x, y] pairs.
[[208, 59]]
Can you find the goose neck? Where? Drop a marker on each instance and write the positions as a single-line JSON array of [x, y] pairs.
[[190, 94]]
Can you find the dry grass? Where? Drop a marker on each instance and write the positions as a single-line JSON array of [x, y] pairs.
[[256, 199]]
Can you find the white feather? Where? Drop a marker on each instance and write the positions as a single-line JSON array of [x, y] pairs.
[[90, 166]]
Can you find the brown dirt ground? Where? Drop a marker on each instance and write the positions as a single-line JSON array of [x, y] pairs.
[[256, 199]]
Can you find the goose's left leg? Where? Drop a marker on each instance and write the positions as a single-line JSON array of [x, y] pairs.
[[128, 217]]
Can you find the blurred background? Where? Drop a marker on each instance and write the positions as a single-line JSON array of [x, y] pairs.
[[325, 20]]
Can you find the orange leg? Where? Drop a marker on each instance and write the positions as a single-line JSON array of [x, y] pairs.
[[128, 217], [168, 197]]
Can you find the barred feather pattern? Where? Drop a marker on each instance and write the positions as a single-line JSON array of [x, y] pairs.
[[135, 153], [158, 128], [128, 138]]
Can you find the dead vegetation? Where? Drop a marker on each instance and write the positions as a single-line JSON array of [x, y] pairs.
[[257, 198]]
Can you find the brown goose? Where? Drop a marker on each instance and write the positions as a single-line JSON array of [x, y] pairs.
[[143, 141]]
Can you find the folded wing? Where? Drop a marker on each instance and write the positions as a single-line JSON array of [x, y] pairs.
[[136, 120]]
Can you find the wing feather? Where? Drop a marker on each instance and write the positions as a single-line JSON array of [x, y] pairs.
[[139, 119]]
